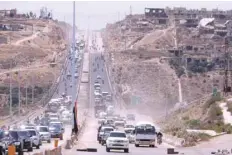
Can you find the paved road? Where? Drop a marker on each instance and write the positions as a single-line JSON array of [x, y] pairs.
[[70, 91], [88, 138]]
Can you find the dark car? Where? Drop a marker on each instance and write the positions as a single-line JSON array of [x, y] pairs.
[[56, 131], [21, 139], [3, 143]]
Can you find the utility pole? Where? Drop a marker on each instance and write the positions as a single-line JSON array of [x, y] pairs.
[[26, 93], [130, 10], [19, 92], [74, 104], [32, 89], [11, 88], [226, 88]]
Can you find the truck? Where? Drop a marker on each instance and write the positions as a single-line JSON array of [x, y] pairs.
[[99, 108]]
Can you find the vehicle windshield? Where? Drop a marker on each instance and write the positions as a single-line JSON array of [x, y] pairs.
[[1, 134], [145, 130], [29, 127], [128, 131], [118, 134], [32, 132], [119, 123], [24, 133], [108, 129], [14, 134], [129, 126], [43, 129], [56, 127], [104, 93]]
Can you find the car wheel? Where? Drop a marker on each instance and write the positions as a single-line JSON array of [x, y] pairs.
[[152, 145], [38, 146], [126, 150], [107, 149], [30, 149], [61, 138], [136, 145], [20, 152], [2, 152], [49, 141]]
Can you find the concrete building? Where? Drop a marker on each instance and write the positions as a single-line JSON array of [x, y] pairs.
[[157, 16]]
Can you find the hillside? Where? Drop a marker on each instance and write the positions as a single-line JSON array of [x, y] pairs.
[[30, 52], [139, 67]]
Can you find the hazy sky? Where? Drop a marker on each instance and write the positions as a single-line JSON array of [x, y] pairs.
[[100, 13]]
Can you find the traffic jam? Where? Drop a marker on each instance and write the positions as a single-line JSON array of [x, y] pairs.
[[115, 131], [34, 133]]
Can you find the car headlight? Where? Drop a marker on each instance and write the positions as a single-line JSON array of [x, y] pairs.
[[110, 141], [16, 143], [2, 144], [126, 141]]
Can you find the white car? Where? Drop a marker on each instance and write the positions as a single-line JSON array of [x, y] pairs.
[[76, 75], [117, 140], [35, 136], [98, 77], [69, 74], [68, 99], [129, 126], [103, 130], [130, 134], [119, 123], [44, 133], [66, 116], [53, 119], [131, 137], [101, 120]]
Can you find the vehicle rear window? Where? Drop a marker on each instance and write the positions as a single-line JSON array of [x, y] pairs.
[[24, 133], [108, 129], [118, 134], [1, 134], [32, 133], [56, 126], [29, 127], [43, 129], [128, 131], [129, 126]]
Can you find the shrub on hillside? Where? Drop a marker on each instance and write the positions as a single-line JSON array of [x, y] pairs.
[[212, 100]]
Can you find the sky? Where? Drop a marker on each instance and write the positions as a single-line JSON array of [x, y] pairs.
[[97, 14]]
